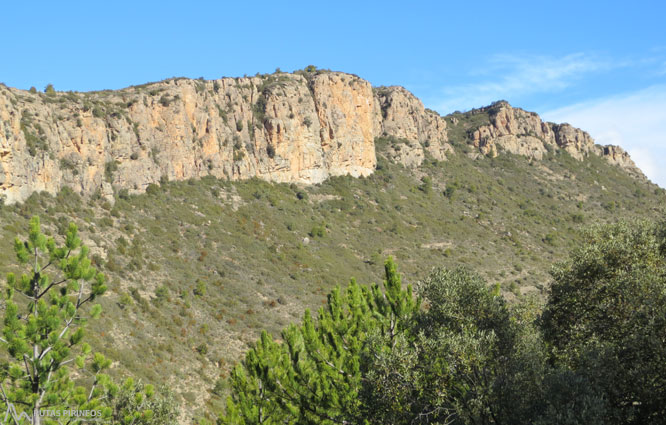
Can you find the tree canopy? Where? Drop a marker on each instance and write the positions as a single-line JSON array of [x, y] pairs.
[[456, 352], [45, 315]]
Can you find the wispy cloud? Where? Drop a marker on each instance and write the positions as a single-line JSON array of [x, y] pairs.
[[505, 76], [636, 121]]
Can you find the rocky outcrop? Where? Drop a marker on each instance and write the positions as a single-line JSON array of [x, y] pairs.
[[524, 133], [617, 156], [283, 128], [301, 127], [403, 116], [513, 130]]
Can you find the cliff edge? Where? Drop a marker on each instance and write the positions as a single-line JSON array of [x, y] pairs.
[[302, 127]]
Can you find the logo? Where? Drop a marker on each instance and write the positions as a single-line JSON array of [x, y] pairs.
[[85, 416], [11, 410]]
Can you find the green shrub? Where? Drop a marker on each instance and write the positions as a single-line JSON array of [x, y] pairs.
[[98, 112], [200, 289], [152, 189], [161, 295], [125, 300], [317, 231], [426, 185], [109, 168], [220, 387], [577, 218], [66, 164]]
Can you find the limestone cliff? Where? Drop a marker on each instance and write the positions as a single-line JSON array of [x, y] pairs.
[[524, 133], [403, 116], [301, 127]]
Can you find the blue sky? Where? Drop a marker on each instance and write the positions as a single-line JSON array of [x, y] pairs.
[[599, 65]]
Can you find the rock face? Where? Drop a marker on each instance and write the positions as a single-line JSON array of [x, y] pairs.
[[301, 128], [283, 128], [515, 131], [404, 117], [524, 133]]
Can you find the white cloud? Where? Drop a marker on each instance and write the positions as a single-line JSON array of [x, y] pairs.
[[635, 121], [519, 76], [646, 162]]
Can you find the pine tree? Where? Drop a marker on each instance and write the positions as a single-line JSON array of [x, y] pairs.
[[43, 328], [314, 377]]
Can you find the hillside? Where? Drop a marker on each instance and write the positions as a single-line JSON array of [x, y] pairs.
[[212, 252]]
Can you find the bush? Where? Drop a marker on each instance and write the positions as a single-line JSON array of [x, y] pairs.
[[109, 168], [577, 218], [549, 239], [66, 164], [317, 232], [426, 185], [152, 189], [161, 295], [98, 112], [137, 403], [200, 289], [220, 387]]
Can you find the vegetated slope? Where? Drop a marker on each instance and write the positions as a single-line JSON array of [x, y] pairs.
[[197, 268]]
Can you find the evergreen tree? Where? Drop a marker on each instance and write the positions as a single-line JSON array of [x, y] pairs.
[[594, 356], [43, 328], [606, 318], [443, 369], [314, 377]]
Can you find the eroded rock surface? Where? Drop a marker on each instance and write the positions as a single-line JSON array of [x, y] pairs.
[[300, 128], [524, 133]]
